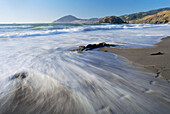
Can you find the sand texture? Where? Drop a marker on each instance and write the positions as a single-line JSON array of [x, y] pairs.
[[156, 59]]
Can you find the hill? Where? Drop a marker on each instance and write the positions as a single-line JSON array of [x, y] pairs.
[[67, 19], [159, 18], [112, 20], [73, 19], [140, 15], [151, 17]]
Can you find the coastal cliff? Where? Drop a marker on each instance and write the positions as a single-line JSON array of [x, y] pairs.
[[139, 15], [159, 18]]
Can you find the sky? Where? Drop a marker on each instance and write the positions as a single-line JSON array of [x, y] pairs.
[[18, 11]]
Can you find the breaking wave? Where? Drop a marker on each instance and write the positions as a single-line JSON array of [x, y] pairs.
[[45, 30]]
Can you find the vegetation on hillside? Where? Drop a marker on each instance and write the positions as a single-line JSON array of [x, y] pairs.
[[159, 18], [140, 15]]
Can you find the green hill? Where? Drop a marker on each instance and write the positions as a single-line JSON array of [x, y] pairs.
[[159, 18], [140, 15]]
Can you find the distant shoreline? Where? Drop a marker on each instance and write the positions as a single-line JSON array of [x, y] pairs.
[[155, 59]]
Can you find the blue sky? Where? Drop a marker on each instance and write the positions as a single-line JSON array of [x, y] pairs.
[[49, 10]]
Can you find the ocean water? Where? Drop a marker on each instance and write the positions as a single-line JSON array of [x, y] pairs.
[[57, 81]]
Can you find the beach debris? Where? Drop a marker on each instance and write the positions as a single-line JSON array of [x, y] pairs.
[[159, 53], [152, 82], [81, 49], [168, 80], [148, 90], [157, 74]]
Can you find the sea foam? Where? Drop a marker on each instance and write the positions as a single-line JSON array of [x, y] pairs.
[[56, 80]]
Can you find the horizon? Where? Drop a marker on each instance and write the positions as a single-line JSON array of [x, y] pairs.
[[31, 11]]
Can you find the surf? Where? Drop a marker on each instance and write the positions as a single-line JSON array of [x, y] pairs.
[[23, 31], [39, 73]]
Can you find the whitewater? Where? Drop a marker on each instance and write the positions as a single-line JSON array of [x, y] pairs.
[[40, 75]]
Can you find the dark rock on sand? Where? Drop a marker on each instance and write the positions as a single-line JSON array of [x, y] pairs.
[[159, 53], [21, 75], [112, 20], [92, 46]]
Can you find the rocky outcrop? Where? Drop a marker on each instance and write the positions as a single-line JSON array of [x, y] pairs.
[[92, 46], [20, 75], [112, 20], [159, 18]]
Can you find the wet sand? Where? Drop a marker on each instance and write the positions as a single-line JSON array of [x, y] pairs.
[[149, 58]]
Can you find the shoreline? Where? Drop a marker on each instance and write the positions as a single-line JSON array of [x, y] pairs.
[[155, 59]]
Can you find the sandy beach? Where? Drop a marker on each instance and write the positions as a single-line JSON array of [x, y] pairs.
[[155, 59]]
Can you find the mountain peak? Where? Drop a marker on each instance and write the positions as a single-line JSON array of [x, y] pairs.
[[73, 19], [67, 19]]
